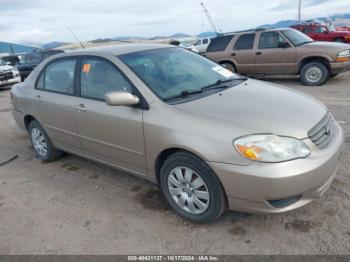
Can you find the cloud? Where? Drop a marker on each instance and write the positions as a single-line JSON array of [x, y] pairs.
[[32, 35], [47, 20]]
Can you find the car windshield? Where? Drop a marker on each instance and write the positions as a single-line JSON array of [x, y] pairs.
[[170, 72], [296, 37]]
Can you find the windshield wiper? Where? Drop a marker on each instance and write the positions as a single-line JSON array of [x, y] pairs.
[[183, 94], [306, 42], [218, 83]]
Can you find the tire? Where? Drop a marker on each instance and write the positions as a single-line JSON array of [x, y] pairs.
[[208, 200], [339, 40], [41, 143], [314, 73], [229, 66]]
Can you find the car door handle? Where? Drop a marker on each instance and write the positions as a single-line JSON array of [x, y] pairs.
[[38, 98], [81, 107], [258, 53], [233, 54]]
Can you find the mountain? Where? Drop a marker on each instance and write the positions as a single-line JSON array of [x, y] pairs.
[[207, 34], [53, 44], [179, 35], [338, 19]]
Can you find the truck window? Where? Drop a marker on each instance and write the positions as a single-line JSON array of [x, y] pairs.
[[245, 42], [219, 43]]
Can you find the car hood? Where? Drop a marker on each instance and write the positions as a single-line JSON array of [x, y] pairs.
[[260, 107], [5, 68], [319, 45]]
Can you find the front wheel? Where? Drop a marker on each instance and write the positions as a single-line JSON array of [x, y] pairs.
[[314, 73], [229, 66], [41, 143], [191, 188]]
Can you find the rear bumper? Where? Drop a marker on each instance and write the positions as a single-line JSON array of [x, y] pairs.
[[339, 67], [250, 188]]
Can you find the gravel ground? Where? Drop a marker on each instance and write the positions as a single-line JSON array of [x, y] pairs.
[[75, 206]]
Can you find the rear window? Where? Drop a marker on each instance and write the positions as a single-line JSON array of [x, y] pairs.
[[219, 43], [245, 42]]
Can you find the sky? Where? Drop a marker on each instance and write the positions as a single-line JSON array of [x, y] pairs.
[[47, 20]]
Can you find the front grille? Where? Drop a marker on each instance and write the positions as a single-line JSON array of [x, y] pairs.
[[6, 75], [322, 133]]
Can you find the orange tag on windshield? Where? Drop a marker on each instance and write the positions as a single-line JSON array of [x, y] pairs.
[[86, 68]]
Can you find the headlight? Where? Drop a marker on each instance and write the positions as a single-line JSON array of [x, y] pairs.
[[271, 148], [343, 56]]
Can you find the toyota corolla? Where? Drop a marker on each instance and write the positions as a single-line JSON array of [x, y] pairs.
[[211, 139]]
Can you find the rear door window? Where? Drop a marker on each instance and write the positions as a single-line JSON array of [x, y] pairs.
[[245, 42], [219, 43], [59, 77], [99, 77]]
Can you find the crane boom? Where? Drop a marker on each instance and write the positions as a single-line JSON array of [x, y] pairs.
[[209, 18]]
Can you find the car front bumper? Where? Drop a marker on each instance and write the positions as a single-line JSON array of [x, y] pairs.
[[10, 81], [254, 187], [339, 67]]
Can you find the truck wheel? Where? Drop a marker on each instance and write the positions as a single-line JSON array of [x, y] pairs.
[[192, 188], [314, 73], [229, 66], [339, 40]]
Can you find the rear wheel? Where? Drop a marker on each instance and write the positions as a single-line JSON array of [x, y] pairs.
[[191, 188], [314, 73], [41, 143], [229, 66]]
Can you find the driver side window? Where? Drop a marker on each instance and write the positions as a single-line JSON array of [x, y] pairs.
[[272, 40], [99, 77]]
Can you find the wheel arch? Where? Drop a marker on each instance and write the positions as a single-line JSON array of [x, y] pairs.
[[324, 59], [27, 120], [228, 62]]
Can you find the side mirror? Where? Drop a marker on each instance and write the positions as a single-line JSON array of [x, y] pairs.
[[325, 32], [121, 98], [283, 45]]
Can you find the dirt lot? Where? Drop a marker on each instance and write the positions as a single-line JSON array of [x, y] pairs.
[[74, 206]]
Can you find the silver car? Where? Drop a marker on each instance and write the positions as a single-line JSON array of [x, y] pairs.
[[211, 139]]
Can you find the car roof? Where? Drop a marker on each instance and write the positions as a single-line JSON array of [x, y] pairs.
[[120, 49], [251, 31]]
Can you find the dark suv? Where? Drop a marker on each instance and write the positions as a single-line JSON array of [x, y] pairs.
[[280, 52], [30, 60]]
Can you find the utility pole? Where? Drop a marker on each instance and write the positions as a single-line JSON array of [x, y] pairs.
[[209, 18], [299, 13]]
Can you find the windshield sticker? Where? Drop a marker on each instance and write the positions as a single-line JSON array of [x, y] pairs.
[[223, 71], [86, 68]]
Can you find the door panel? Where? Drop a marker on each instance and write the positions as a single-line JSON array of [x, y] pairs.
[[243, 54], [113, 134], [55, 103], [271, 58], [57, 114]]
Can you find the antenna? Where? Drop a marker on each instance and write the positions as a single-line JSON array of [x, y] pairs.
[[299, 12], [76, 37], [209, 18]]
